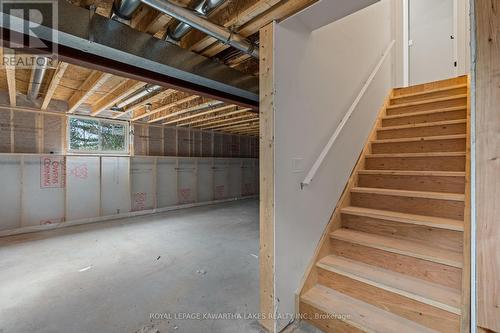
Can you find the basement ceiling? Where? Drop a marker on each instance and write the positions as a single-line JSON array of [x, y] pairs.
[[99, 93]]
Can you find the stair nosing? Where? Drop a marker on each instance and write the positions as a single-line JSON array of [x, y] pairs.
[[411, 194], [458, 86], [422, 138], [409, 155], [423, 113], [352, 301], [414, 219], [419, 125], [414, 254], [378, 284], [414, 173], [427, 101]]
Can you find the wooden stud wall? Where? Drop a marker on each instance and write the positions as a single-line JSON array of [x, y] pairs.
[[487, 93], [266, 253]]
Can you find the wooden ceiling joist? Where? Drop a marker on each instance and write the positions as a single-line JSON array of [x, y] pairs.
[[239, 13], [229, 122], [121, 91], [54, 83], [199, 106], [248, 129], [214, 117], [166, 107], [10, 74], [181, 121], [152, 99], [280, 10], [238, 125], [95, 80]]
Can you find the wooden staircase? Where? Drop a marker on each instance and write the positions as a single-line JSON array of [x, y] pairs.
[[394, 255]]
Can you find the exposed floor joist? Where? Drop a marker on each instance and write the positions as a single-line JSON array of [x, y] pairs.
[[93, 82], [54, 83], [121, 91]]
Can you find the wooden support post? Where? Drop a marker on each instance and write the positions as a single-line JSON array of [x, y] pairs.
[[266, 252], [487, 92]]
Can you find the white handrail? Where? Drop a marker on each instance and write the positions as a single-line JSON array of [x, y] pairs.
[[326, 149]]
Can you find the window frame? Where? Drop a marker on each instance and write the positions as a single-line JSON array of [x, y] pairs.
[[100, 151]]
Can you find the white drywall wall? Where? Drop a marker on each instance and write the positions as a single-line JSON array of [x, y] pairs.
[[462, 13], [317, 77]]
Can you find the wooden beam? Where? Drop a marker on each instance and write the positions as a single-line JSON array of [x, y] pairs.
[[167, 106], [54, 83], [121, 91], [248, 130], [95, 80], [10, 74], [156, 97], [228, 121], [198, 106], [243, 132], [247, 123], [266, 174], [218, 116], [207, 114], [235, 15], [487, 92], [281, 10]]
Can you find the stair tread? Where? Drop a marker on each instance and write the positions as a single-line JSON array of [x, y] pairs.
[[361, 315], [430, 91], [419, 125], [439, 296], [423, 113], [409, 193], [413, 173], [433, 154], [427, 101], [399, 246], [423, 138], [430, 221]]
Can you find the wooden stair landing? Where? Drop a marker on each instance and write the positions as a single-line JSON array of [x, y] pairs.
[[392, 257]]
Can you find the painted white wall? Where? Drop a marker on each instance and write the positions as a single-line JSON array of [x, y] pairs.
[[317, 76], [462, 12]]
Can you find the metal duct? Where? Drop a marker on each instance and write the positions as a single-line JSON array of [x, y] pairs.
[[37, 78], [124, 9], [191, 18], [149, 89], [204, 9]]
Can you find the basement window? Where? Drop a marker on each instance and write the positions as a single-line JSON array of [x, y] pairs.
[[97, 136]]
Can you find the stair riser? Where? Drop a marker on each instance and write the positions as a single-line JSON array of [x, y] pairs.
[[422, 146], [427, 118], [428, 106], [430, 95], [418, 312], [433, 163], [328, 325], [426, 87], [423, 269], [411, 205], [417, 132], [436, 237], [414, 183]]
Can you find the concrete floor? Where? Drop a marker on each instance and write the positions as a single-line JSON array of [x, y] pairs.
[[110, 277]]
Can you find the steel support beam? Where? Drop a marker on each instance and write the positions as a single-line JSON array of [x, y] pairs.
[[104, 44]]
